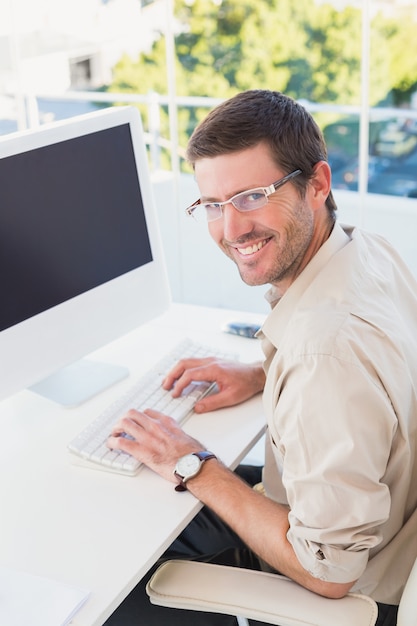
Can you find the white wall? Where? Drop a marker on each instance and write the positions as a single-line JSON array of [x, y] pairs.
[[393, 217]]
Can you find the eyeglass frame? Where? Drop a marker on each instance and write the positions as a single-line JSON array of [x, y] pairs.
[[268, 191]]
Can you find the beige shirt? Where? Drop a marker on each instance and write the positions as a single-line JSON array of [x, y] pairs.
[[341, 405]]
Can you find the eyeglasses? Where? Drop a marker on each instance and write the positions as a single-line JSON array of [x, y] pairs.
[[249, 200]]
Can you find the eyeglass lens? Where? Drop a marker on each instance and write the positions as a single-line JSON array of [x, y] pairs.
[[245, 201]]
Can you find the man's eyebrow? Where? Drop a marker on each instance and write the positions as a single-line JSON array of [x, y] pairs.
[[204, 199]]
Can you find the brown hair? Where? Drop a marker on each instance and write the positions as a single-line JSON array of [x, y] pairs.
[[260, 115]]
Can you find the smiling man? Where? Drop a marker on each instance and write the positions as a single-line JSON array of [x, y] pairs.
[[338, 510], [267, 246]]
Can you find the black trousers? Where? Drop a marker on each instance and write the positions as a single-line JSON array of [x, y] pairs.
[[205, 539]]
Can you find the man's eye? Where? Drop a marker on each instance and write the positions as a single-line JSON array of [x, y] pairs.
[[254, 196]]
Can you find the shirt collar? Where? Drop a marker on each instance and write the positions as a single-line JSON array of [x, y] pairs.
[[275, 323]]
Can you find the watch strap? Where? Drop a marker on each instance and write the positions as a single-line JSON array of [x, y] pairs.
[[203, 455]]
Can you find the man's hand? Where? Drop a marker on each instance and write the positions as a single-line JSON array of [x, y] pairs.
[[154, 439], [236, 382]]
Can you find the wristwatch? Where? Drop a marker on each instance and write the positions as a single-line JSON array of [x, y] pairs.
[[189, 466]]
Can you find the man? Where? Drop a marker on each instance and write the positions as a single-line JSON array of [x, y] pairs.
[[339, 377]]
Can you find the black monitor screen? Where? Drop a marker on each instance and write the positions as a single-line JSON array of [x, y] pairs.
[[72, 218]]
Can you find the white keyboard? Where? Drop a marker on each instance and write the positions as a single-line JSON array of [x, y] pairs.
[[89, 447]]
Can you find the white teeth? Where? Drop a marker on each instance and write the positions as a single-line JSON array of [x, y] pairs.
[[252, 249]]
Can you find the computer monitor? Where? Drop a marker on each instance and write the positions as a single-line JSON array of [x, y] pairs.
[[81, 261]]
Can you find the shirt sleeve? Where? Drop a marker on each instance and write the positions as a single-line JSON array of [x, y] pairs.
[[333, 429]]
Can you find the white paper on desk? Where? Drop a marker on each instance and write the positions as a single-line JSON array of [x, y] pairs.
[[27, 600]]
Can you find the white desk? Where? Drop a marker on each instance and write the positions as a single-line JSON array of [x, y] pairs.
[[93, 529]]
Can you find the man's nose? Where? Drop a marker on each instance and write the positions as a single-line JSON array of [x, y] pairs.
[[234, 222]]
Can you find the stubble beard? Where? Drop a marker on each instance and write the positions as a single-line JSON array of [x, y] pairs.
[[290, 252]]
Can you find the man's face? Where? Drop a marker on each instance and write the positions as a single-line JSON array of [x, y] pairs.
[[270, 244]]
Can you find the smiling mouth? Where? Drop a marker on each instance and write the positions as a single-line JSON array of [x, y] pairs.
[[248, 250]]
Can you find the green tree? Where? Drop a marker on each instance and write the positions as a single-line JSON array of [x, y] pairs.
[[309, 51], [398, 38]]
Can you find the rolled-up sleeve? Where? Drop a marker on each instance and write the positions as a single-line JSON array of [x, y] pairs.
[[333, 430]]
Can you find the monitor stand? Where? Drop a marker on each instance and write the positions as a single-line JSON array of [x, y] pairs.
[[78, 382]]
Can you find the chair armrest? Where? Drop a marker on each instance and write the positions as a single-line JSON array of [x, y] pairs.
[[256, 595]]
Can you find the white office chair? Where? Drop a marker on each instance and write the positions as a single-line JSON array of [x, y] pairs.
[[266, 597]]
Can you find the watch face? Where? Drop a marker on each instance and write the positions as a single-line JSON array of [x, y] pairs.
[[188, 465]]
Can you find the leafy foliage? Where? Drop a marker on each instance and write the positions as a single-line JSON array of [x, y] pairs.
[[306, 49]]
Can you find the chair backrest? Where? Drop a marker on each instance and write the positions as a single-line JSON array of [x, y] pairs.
[[407, 611]]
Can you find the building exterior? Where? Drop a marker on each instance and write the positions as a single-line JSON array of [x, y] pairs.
[[52, 45]]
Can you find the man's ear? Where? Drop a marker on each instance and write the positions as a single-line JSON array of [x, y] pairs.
[[320, 184]]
